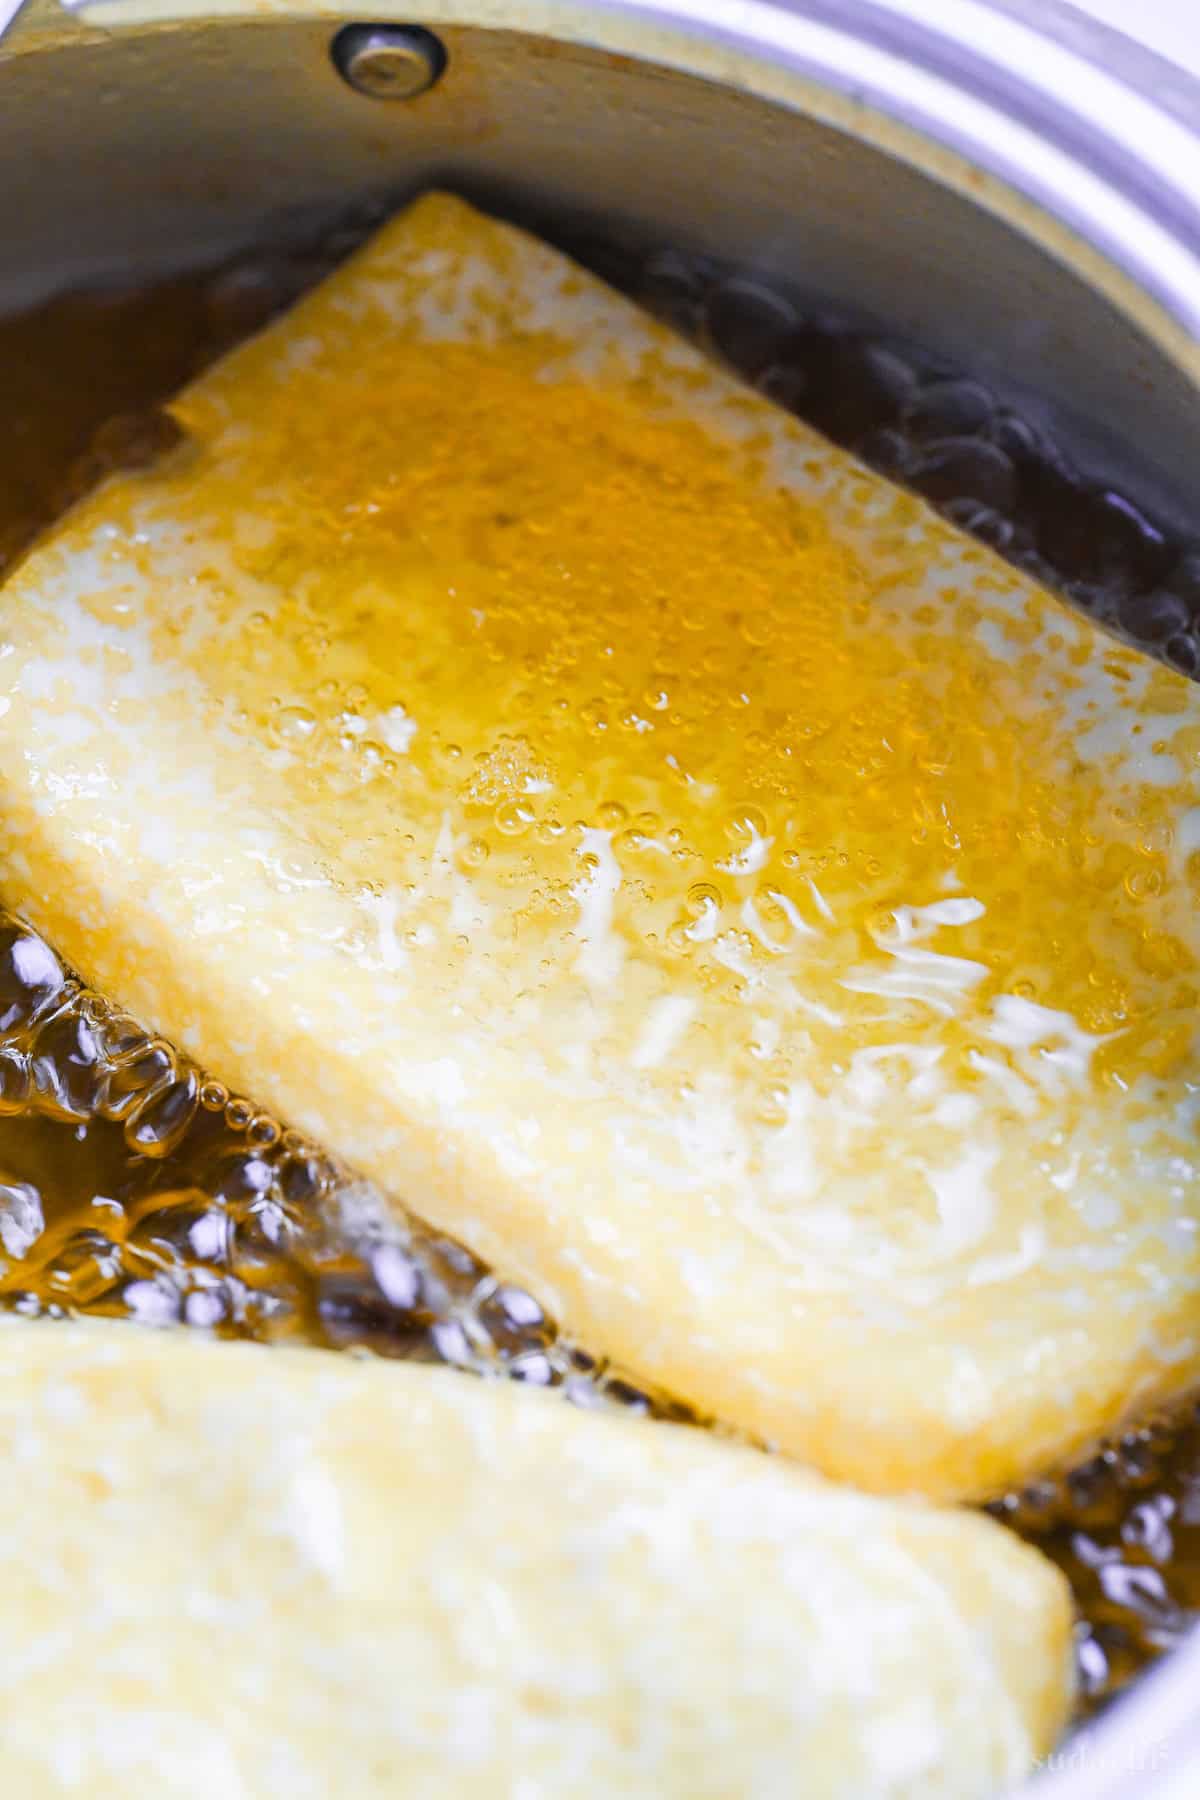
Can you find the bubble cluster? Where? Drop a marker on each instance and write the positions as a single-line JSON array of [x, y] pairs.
[[163, 1198], [948, 437], [1124, 1526]]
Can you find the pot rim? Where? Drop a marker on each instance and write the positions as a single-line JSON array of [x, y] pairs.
[[1082, 139]]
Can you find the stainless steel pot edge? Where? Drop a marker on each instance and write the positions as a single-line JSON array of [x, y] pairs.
[[1083, 142]]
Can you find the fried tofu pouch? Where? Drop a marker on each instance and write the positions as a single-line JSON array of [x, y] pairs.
[[254, 1572], [647, 844]]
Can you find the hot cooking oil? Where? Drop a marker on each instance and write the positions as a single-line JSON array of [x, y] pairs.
[[133, 1185]]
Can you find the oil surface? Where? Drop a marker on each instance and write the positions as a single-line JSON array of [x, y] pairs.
[[133, 1186]]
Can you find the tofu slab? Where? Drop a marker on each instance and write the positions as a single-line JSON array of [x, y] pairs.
[[253, 1573], [650, 846]]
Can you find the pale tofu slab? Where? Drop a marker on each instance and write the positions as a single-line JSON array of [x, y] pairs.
[[648, 845], [240, 1572]]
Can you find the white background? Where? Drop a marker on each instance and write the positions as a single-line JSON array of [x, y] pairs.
[[1172, 27]]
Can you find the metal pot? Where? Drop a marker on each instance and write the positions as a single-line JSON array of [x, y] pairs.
[[1003, 179]]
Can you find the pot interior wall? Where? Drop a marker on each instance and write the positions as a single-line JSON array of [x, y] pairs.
[[161, 147]]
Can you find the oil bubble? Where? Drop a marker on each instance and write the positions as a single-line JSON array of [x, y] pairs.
[[512, 817]]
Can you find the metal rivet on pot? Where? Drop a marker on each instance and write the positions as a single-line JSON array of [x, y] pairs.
[[389, 62]]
